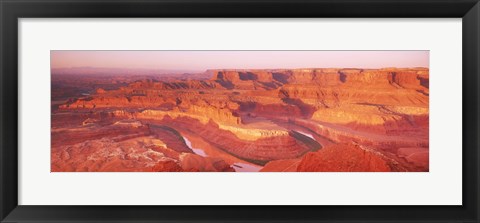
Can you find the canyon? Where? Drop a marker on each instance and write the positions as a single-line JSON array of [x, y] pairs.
[[242, 120]]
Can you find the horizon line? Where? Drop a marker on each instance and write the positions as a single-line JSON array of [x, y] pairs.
[[205, 70]]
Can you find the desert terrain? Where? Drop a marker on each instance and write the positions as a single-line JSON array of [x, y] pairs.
[[235, 120]]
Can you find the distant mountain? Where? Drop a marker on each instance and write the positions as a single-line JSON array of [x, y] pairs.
[[115, 71]]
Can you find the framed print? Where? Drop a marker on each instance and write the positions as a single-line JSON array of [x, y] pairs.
[[288, 111]]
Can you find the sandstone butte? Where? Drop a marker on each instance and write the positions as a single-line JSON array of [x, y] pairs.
[[343, 157], [312, 120]]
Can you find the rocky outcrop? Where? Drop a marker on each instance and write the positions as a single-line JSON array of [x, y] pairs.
[[132, 154], [91, 131], [344, 158], [166, 166], [289, 165], [416, 156], [196, 163], [203, 115], [106, 155], [335, 158]]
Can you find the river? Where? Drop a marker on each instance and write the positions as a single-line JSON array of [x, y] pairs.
[[306, 134], [244, 167], [197, 151]]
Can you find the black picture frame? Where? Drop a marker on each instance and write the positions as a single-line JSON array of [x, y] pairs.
[[12, 10]]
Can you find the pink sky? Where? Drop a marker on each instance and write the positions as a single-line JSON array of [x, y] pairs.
[[203, 60]]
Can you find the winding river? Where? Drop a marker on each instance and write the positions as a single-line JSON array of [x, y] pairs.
[[197, 151]]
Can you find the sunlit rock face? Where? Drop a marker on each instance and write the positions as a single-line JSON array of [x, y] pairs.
[[271, 120], [343, 157]]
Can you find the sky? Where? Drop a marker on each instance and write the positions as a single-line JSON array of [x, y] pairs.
[[203, 60]]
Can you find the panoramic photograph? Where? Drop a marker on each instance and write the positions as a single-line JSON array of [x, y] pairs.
[[239, 111]]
